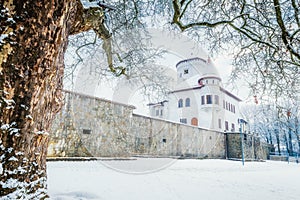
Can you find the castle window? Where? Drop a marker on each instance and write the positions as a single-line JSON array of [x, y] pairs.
[[202, 100], [224, 104], [187, 102], [220, 123], [157, 112], [164, 140], [209, 99], [186, 71], [183, 120], [232, 127], [226, 126], [161, 112], [217, 99], [86, 131], [180, 103]]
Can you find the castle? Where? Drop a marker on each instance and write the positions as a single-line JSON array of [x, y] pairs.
[[199, 119], [199, 99]]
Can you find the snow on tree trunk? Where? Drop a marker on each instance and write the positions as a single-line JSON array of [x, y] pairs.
[[34, 36]]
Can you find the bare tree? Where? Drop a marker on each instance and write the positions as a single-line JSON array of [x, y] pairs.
[[131, 53], [276, 123], [264, 36]]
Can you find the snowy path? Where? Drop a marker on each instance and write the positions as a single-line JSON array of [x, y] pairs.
[[182, 180]]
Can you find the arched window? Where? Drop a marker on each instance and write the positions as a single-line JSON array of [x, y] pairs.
[[187, 102], [194, 121], [180, 103]]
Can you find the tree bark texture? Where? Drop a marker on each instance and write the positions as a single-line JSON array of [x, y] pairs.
[[34, 36]]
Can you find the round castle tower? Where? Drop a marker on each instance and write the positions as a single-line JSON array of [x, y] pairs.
[[199, 99]]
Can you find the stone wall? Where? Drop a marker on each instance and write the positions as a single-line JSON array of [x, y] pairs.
[[89, 126], [163, 138], [252, 146]]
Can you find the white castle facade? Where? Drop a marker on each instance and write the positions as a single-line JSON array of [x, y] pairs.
[[199, 99]]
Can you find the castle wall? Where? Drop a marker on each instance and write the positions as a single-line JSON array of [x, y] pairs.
[[252, 146], [89, 126], [163, 138]]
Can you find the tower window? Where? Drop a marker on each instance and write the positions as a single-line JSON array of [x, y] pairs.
[[187, 102], [202, 100], [209, 99], [180, 103], [186, 71], [217, 99]]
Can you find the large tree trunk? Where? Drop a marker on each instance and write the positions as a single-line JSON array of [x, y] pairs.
[[34, 37]]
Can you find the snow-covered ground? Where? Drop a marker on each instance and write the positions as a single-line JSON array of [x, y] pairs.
[[163, 179]]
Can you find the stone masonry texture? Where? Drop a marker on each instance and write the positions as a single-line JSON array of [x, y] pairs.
[[93, 127]]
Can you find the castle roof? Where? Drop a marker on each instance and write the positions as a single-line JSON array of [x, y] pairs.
[[202, 66]]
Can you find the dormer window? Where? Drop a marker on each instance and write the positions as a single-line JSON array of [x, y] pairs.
[[186, 71]]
